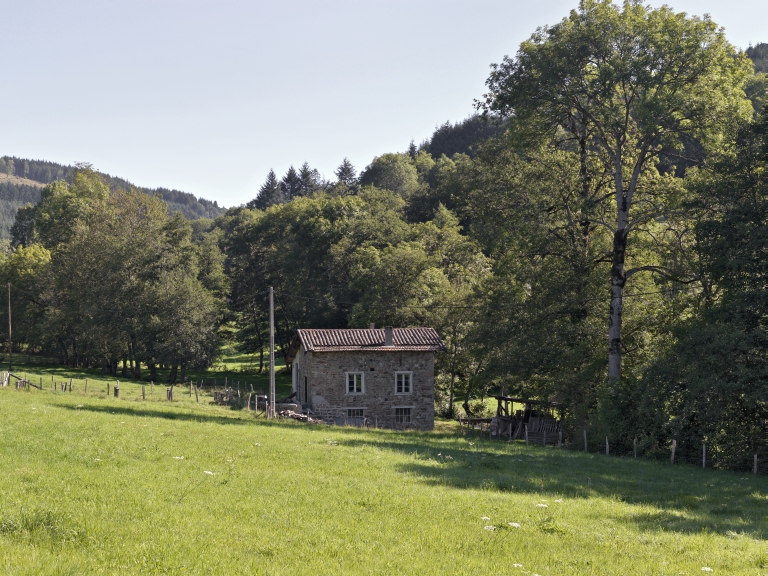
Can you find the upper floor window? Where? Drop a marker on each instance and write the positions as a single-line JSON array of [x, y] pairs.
[[355, 383], [403, 382]]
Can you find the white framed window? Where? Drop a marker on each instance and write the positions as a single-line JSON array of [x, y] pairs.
[[403, 382], [355, 383], [402, 415], [355, 412]]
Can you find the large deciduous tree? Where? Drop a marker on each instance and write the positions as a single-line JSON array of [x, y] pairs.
[[621, 86]]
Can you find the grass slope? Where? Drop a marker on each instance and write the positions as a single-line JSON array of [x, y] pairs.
[[97, 485]]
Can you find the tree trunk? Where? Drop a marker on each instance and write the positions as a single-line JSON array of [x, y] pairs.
[[183, 373], [618, 280], [172, 375], [124, 371], [466, 399], [618, 275], [153, 372], [450, 394]]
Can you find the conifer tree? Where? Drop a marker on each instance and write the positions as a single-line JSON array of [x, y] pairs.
[[291, 184], [270, 193], [346, 173], [309, 179]]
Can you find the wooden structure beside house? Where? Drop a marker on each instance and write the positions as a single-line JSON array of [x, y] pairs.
[[535, 423], [382, 377]]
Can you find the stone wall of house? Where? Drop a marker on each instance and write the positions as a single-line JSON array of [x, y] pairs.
[[327, 385]]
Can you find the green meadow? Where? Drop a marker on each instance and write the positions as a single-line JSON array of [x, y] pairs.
[[97, 485]]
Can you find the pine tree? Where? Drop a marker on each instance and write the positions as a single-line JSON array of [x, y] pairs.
[[271, 192], [346, 173], [291, 184], [310, 180]]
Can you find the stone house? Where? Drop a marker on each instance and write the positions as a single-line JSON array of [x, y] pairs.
[[386, 376]]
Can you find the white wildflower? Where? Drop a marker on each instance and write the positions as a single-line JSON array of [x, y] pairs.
[[257, 444], [209, 473], [490, 528], [97, 460], [517, 565], [559, 500], [514, 525], [484, 518], [706, 569], [178, 457], [542, 505]]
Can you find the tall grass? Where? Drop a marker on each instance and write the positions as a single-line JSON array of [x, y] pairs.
[[97, 485]]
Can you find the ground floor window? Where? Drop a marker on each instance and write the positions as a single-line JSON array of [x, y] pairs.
[[354, 412], [402, 415]]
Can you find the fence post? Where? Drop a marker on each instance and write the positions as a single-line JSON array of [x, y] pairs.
[[607, 449], [585, 439], [86, 385], [196, 399], [143, 392], [672, 456], [634, 447], [703, 456]]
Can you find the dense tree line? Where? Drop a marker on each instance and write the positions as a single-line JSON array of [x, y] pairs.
[[594, 236], [102, 277]]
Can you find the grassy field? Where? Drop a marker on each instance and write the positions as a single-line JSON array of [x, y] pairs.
[[97, 485]]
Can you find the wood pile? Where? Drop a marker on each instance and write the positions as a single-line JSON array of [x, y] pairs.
[[299, 417]]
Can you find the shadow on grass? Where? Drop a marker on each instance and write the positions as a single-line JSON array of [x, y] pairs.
[[166, 414], [683, 498]]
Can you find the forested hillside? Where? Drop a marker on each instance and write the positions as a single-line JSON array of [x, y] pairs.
[[21, 180], [594, 236]]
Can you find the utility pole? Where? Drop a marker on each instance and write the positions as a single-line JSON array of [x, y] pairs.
[[271, 352], [10, 341]]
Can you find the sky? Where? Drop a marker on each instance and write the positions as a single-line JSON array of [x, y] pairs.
[[207, 96]]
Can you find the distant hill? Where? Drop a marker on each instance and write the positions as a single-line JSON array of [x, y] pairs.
[[759, 56], [22, 179]]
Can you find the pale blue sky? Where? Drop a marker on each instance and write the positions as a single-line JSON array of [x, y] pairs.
[[207, 96]]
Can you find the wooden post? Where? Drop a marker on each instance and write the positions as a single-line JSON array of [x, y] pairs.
[[585, 439], [190, 389], [152, 387], [754, 466], [703, 456], [672, 456], [10, 333], [86, 384], [107, 388], [607, 448], [70, 384], [196, 399], [143, 393], [634, 447], [272, 351]]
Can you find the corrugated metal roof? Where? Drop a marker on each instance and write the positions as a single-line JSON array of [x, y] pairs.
[[339, 340]]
